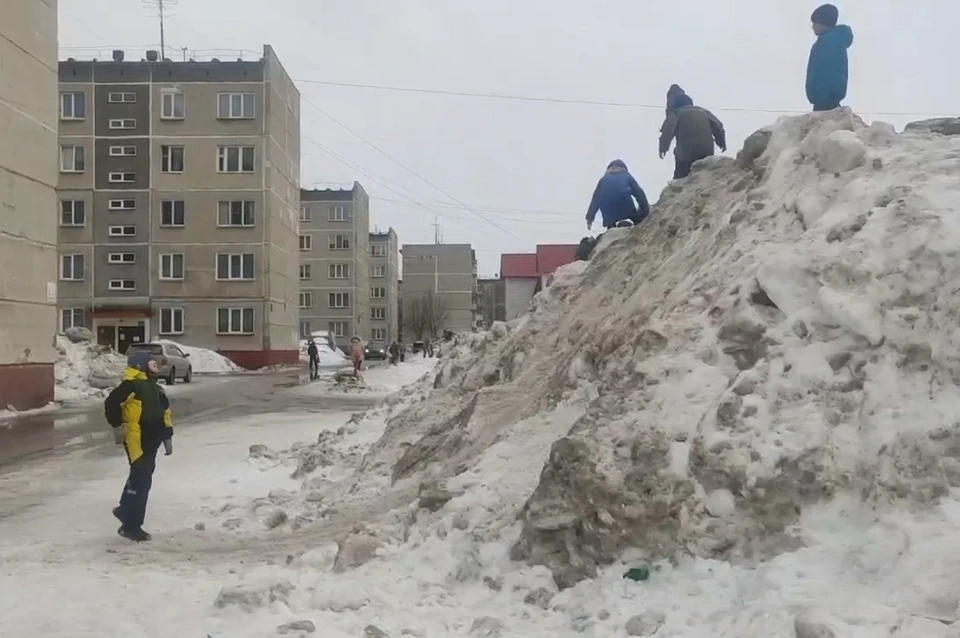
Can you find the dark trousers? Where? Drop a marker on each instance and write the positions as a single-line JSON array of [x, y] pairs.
[[826, 106], [314, 367], [133, 500]]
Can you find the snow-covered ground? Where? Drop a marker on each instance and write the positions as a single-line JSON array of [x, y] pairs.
[[329, 357], [379, 380], [204, 361]]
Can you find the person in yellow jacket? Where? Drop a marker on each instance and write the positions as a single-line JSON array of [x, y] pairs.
[[139, 412]]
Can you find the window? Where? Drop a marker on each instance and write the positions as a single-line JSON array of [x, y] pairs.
[[378, 292], [171, 105], [235, 159], [304, 272], [378, 312], [338, 214], [236, 106], [339, 271], [72, 159], [236, 213], [378, 250], [171, 267], [235, 321], [123, 151], [378, 334], [123, 231], [122, 204], [72, 318], [121, 258], [72, 212], [122, 98], [71, 267], [304, 214], [339, 299], [125, 123], [234, 266], [122, 284], [120, 177], [306, 300], [378, 272], [171, 159], [306, 242], [339, 242], [73, 106], [172, 213], [338, 328], [171, 321], [305, 329]]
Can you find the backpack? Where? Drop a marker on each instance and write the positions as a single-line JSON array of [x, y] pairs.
[[584, 248]]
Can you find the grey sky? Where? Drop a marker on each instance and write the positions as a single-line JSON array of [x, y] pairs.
[[497, 154]]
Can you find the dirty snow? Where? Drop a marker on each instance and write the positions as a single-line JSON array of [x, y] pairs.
[[753, 394], [204, 361], [378, 379], [85, 370]]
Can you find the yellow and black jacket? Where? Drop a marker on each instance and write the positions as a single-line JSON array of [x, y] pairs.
[[140, 406]]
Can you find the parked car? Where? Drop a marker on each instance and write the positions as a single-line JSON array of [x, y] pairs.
[[173, 363], [375, 350], [417, 347]]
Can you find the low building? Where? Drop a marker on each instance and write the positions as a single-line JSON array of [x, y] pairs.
[[439, 289], [525, 274], [491, 304]]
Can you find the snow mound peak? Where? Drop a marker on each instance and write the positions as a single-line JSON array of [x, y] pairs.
[[783, 329]]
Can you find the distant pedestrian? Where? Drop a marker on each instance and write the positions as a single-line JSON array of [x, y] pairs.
[[613, 198], [139, 412], [314, 355], [403, 351], [695, 129], [828, 67], [356, 355]]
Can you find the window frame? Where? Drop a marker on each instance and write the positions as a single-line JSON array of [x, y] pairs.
[[378, 288], [123, 148], [122, 123], [169, 93], [122, 284], [173, 213], [306, 215], [168, 155], [72, 259], [344, 270], [78, 150], [123, 204], [230, 331], [305, 272], [73, 318], [245, 204], [378, 316], [73, 106], [121, 261], [382, 269], [337, 214], [309, 299], [123, 232], [230, 264], [229, 96], [338, 328], [306, 242], [382, 332], [332, 243], [223, 159], [170, 259], [172, 320], [111, 177], [344, 298], [378, 250], [112, 99], [73, 213]]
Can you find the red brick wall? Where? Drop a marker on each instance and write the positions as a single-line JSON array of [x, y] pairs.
[[26, 385], [255, 359]]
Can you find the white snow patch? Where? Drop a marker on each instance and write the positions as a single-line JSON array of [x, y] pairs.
[[85, 370], [204, 361]]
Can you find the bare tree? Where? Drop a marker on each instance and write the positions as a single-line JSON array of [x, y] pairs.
[[416, 318], [426, 315]]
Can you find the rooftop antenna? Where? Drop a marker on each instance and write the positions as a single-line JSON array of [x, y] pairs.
[[161, 6], [436, 231]]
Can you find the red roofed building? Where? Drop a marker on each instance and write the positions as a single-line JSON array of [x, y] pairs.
[[526, 274]]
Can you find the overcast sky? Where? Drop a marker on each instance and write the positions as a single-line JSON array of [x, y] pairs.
[[743, 59]]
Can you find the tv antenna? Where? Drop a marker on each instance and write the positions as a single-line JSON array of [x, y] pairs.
[[162, 7]]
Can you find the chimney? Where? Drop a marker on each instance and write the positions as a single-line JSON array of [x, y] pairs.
[[117, 55], [152, 56]]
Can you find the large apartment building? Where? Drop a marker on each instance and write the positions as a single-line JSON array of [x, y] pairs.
[[384, 286], [28, 199], [179, 187], [448, 273], [335, 261]]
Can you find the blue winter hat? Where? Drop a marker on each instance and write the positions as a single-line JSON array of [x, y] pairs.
[[139, 360], [826, 14]]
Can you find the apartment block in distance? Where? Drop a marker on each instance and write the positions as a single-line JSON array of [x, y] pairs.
[[178, 189], [28, 199], [384, 286], [450, 272], [335, 262]]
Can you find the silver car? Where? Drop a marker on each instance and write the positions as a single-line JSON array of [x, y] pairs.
[[172, 362]]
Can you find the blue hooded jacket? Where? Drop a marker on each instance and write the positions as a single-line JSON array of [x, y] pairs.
[[614, 196], [827, 70]]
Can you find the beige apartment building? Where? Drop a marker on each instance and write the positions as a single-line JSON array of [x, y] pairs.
[[179, 188], [384, 286], [334, 253], [28, 179], [449, 271]]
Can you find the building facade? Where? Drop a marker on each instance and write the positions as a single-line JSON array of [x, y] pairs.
[[525, 274], [384, 286], [492, 305], [447, 273], [335, 262], [178, 189], [28, 180]]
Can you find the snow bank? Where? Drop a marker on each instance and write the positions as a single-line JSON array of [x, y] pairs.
[[328, 356], [204, 361], [85, 370]]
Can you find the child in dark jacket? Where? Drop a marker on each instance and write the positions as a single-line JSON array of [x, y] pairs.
[[828, 68], [613, 198]]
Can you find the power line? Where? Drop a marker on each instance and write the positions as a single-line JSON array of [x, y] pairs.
[[569, 101], [489, 209]]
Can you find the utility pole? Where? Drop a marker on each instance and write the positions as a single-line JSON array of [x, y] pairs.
[[183, 52], [162, 7], [436, 230]]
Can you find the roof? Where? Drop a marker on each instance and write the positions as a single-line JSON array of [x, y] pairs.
[[552, 256], [518, 265]]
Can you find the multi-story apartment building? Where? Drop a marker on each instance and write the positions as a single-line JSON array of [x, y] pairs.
[[335, 261], [449, 272], [28, 199], [491, 304], [179, 187], [384, 286]]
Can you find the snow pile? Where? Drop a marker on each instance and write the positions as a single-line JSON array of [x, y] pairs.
[[204, 361], [772, 355], [328, 356], [85, 370]]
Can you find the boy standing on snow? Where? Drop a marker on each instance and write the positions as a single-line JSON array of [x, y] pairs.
[[828, 68], [139, 412], [613, 198], [695, 129]]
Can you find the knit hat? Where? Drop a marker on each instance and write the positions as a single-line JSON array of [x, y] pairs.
[[826, 14], [139, 360], [617, 164]]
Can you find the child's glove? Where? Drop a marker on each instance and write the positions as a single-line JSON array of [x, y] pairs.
[[168, 447], [118, 435]]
